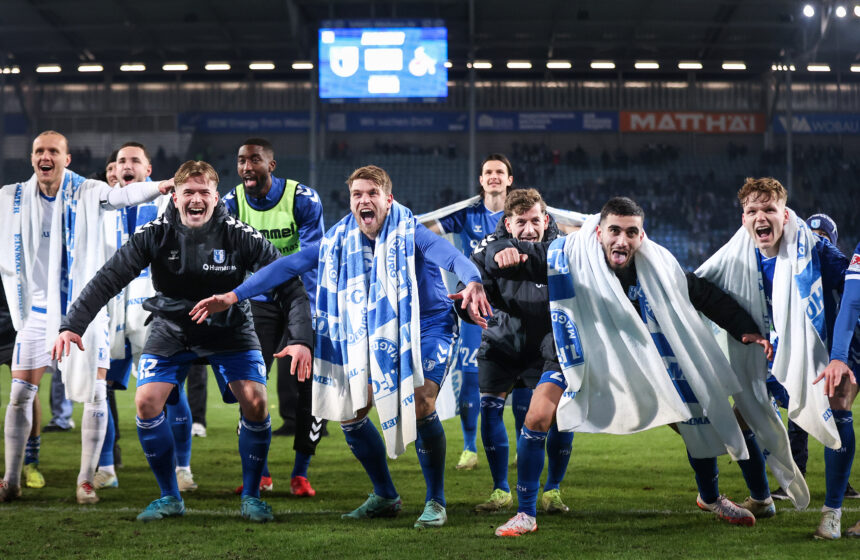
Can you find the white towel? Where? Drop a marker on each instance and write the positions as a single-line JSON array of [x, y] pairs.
[[77, 219], [617, 379], [802, 353], [367, 327]]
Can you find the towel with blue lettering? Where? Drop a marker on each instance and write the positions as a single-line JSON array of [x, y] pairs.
[[367, 326], [619, 380]]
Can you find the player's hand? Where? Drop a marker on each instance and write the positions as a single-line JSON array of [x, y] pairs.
[[301, 362], [756, 338], [832, 376], [166, 186], [474, 302], [509, 258], [63, 345], [211, 305]]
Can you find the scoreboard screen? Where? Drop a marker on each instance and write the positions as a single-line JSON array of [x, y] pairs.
[[383, 62]]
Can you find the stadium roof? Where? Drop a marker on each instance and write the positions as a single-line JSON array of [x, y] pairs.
[[111, 33]]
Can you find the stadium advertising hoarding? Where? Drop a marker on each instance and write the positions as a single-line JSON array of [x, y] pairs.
[[485, 121], [244, 122], [818, 123], [692, 121], [383, 60]]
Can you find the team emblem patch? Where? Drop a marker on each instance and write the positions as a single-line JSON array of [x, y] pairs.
[[815, 223], [218, 256], [855, 263]]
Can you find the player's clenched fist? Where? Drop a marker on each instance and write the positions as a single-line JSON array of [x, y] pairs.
[[510, 257]]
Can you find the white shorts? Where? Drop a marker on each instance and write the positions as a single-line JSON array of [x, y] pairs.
[[30, 353]]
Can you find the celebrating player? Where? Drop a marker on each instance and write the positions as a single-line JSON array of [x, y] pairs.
[[782, 274], [511, 350], [619, 306], [289, 215], [194, 250], [376, 265], [51, 241]]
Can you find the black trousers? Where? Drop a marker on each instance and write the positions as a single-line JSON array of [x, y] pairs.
[[294, 397]]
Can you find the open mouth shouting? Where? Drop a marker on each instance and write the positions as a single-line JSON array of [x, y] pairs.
[[250, 180], [127, 177], [366, 216], [45, 169], [763, 233]]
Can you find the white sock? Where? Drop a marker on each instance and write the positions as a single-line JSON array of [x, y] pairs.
[[185, 468], [837, 510], [107, 469], [93, 428], [19, 420]]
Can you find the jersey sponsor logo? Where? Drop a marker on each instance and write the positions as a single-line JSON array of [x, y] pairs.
[[218, 255], [855, 263], [277, 233]]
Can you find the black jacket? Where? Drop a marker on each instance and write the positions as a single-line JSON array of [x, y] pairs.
[[187, 265], [520, 318], [705, 296]]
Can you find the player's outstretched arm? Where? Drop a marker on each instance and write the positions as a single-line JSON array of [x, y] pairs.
[[63, 345], [474, 300], [300, 364], [211, 305], [832, 376]]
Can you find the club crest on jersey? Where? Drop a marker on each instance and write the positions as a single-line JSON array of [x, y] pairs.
[[218, 256]]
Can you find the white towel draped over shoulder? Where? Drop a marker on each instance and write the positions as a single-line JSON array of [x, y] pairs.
[[77, 227], [617, 379], [367, 327], [801, 354]]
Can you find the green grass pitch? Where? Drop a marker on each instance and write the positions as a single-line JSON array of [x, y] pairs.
[[630, 497]]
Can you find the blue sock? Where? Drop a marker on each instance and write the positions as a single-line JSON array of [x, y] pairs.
[[495, 439], [254, 439], [31, 451], [520, 400], [430, 446], [470, 408], [179, 416], [266, 469], [530, 451], [837, 462], [707, 478], [156, 440], [300, 468], [367, 446], [558, 448], [753, 469], [106, 456]]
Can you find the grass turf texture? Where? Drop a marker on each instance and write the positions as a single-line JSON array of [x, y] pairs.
[[630, 497]]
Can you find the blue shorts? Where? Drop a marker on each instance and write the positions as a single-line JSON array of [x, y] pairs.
[[120, 370], [554, 377], [227, 367], [470, 341], [437, 340]]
